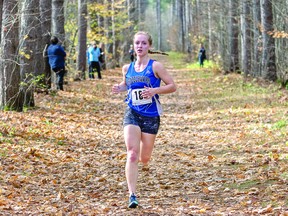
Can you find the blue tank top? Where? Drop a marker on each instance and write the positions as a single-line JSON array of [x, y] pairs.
[[137, 80]]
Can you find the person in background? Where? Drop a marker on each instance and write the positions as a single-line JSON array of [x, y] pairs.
[[202, 55], [189, 51], [56, 56], [102, 57], [93, 54], [131, 53], [141, 80]]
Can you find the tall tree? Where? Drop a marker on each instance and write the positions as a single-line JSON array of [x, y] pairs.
[[256, 70], [280, 13], [182, 24], [1, 6], [29, 43], [128, 31], [10, 95], [113, 30], [45, 20], [210, 37], [268, 54], [57, 26], [246, 37], [58, 20], [107, 27], [222, 34], [159, 26], [233, 36], [82, 37]]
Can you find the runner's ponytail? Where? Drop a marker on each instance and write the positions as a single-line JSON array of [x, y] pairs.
[[157, 52]]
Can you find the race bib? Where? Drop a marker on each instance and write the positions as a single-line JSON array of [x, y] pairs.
[[137, 98]]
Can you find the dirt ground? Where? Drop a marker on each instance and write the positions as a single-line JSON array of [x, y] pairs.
[[222, 149]]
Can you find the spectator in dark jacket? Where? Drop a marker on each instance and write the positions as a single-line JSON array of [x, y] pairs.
[[57, 55], [202, 55], [132, 53]]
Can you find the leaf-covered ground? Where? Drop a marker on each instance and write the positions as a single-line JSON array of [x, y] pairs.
[[222, 150]]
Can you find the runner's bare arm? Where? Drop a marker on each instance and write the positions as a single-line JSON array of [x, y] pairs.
[[121, 87], [161, 72]]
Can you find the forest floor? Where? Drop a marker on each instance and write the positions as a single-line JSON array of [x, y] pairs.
[[222, 149]]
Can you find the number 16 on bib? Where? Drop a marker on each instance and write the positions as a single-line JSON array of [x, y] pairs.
[[137, 98]]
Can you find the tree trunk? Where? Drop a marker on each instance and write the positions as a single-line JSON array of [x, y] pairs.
[[82, 38], [113, 30], [209, 51], [268, 54], [45, 20], [256, 38], [58, 20], [182, 27], [223, 35], [246, 37], [233, 36], [127, 40], [280, 24], [108, 45], [29, 53], [139, 14], [57, 27], [1, 7], [10, 96], [159, 28]]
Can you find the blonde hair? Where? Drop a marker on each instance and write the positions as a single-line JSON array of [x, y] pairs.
[[150, 40]]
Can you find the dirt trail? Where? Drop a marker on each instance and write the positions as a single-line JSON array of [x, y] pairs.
[[72, 158]]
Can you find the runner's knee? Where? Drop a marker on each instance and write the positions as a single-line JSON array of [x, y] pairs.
[[132, 156]]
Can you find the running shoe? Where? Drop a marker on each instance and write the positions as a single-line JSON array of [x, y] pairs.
[[133, 203], [145, 168]]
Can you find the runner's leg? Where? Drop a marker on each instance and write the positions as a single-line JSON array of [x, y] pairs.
[[132, 136], [146, 147]]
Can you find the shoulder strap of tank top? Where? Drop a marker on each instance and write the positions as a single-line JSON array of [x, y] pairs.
[[131, 66], [150, 63]]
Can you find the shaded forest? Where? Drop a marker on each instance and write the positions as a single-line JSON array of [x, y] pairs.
[[222, 147]]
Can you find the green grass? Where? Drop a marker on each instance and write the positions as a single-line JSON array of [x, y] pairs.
[[244, 185], [176, 59], [284, 175], [3, 153], [201, 75], [207, 65], [253, 88], [280, 124]]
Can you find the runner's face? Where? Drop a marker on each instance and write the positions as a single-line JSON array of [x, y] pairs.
[[141, 44]]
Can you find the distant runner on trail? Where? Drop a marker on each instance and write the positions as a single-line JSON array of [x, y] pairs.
[[141, 79], [202, 55], [131, 53]]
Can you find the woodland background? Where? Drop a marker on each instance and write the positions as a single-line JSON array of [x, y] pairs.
[[247, 37], [222, 148]]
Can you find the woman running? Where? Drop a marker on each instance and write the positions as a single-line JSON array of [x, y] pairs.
[[141, 79]]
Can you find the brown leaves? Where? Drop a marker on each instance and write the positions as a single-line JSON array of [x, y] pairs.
[[218, 152], [211, 157]]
